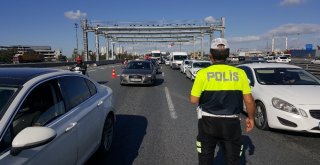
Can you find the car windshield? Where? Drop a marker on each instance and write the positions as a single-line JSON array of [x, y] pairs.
[[6, 93], [139, 65], [186, 62], [201, 64], [285, 76], [180, 57]]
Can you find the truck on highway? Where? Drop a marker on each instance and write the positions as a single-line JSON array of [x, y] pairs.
[[176, 59]]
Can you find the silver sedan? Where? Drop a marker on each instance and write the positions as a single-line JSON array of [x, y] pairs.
[[50, 116]]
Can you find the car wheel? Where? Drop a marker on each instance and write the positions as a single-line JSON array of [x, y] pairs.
[[107, 135], [260, 117]]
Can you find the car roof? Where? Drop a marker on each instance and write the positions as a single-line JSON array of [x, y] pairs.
[[269, 65], [19, 76]]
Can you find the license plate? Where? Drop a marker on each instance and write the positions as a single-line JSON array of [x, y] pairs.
[[135, 79]]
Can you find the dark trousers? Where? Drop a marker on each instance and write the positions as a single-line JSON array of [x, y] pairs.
[[226, 132]]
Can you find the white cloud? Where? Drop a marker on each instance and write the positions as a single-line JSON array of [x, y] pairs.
[[293, 29], [245, 39], [283, 30], [209, 19], [291, 2], [75, 15]]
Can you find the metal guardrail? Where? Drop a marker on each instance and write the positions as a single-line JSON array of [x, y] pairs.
[[312, 68], [57, 64]]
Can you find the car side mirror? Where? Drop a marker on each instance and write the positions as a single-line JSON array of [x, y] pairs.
[[31, 137]]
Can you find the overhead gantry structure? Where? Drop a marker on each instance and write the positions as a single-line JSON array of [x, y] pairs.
[[137, 32]]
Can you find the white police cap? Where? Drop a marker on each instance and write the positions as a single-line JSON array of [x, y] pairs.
[[219, 41]]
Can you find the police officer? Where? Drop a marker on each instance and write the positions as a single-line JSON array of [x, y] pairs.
[[220, 90], [81, 65]]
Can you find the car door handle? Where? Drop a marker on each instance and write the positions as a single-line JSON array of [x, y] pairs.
[[70, 126], [100, 102]]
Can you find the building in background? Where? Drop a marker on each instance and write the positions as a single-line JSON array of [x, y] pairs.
[[46, 51]]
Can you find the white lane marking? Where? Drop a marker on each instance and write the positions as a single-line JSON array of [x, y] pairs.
[[173, 113], [162, 74]]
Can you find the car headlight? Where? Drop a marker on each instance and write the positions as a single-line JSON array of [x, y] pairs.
[[285, 106], [148, 75], [124, 75]]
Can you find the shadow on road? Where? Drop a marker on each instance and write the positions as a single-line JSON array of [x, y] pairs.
[[247, 147], [129, 133]]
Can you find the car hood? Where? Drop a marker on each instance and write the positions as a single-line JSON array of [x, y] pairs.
[[298, 94], [136, 71]]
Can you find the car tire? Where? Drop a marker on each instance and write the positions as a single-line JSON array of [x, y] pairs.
[[260, 117], [107, 135]]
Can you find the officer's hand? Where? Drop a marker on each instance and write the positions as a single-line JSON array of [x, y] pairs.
[[249, 124]]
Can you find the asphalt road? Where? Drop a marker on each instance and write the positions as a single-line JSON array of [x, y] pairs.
[[157, 125]]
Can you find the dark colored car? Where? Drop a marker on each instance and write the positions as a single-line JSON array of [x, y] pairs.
[[138, 72]]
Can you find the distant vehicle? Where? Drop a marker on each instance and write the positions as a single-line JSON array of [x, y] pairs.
[[194, 67], [147, 56], [167, 61], [316, 61], [138, 72], [286, 96], [176, 59], [53, 116], [270, 58], [184, 66], [282, 59], [233, 59], [156, 54], [288, 56]]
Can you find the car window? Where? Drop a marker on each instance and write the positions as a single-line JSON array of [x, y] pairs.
[[75, 90], [92, 87], [41, 106], [6, 93], [139, 65], [285, 76]]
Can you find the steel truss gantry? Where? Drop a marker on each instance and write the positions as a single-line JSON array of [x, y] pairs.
[[133, 32]]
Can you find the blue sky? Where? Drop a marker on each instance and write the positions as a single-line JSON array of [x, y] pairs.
[[250, 24]]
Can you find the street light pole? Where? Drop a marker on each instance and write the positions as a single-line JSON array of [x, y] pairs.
[[76, 26]]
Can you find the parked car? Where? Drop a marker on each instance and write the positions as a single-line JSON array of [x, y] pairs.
[[194, 66], [51, 116], [138, 72], [184, 66], [286, 96]]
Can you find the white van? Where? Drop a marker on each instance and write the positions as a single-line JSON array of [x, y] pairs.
[[176, 59]]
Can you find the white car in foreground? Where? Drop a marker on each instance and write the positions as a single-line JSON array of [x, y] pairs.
[[286, 96], [51, 116], [194, 66]]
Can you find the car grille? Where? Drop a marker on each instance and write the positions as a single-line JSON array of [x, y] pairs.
[[135, 76], [315, 114]]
